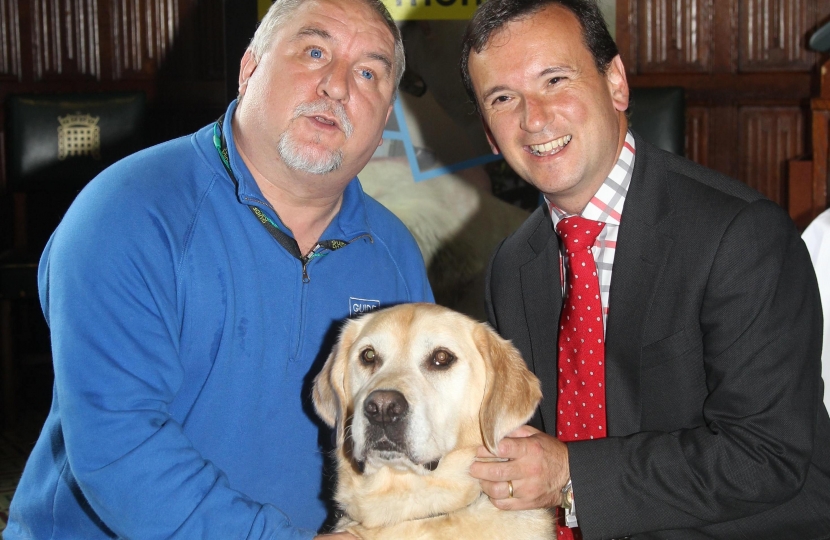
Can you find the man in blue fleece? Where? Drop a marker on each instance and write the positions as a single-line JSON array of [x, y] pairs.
[[193, 290]]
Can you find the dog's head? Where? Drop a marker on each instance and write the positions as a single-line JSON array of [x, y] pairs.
[[406, 385]]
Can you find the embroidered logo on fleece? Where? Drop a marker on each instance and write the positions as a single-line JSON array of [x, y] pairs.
[[358, 306]]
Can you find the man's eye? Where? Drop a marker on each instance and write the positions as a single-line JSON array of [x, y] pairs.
[[366, 74], [315, 53], [501, 99], [554, 80]]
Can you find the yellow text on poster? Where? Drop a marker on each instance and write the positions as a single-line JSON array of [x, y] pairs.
[[262, 7], [410, 10]]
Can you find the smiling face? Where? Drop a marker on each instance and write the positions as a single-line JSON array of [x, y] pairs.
[[317, 99], [557, 120]]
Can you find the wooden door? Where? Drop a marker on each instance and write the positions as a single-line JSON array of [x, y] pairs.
[[747, 73]]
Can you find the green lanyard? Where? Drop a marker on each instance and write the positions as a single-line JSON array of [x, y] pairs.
[[286, 241]]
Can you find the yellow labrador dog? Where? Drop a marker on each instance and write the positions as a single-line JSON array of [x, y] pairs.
[[412, 391]]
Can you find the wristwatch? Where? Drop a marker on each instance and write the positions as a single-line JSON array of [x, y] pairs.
[[568, 505]]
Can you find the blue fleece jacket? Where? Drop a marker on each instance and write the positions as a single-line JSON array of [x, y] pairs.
[[185, 341]]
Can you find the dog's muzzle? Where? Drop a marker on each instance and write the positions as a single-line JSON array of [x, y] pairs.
[[388, 414]]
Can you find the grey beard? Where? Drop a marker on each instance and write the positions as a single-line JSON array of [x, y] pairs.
[[296, 157]]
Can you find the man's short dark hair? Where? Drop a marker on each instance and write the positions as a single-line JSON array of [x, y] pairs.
[[495, 14]]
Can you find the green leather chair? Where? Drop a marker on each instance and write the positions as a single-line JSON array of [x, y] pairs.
[[659, 116], [56, 144]]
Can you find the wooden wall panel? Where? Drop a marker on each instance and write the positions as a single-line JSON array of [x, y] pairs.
[[770, 137], [65, 38], [142, 33], [197, 53], [752, 143], [697, 135], [172, 50], [773, 35], [9, 40], [722, 140], [747, 73], [674, 35], [181, 37]]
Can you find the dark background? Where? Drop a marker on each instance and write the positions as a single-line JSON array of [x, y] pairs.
[[748, 75]]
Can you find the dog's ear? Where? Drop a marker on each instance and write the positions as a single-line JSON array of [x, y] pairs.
[[329, 391], [511, 391]]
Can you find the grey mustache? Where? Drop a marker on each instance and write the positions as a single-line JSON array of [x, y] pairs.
[[323, 106]]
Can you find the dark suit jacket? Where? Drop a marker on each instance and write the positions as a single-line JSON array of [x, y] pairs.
[[714, 398]]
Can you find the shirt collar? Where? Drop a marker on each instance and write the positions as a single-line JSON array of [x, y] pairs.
[[248, 191], [607, 203]]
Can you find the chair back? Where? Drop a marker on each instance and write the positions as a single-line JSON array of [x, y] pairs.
[[63, 141], [659, 116], [58, 143]]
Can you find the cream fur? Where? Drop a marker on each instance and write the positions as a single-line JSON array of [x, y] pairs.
[[456, 225], [483, 395]]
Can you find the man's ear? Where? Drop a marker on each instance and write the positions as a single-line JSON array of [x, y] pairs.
[[389, 112], [247, 66], [617, 84], [490, 139], [511, 391]]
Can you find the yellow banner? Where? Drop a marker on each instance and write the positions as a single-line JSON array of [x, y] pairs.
[[262, 7], [410, 10]]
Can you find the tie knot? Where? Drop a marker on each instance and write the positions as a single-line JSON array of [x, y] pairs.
[[578, 233]]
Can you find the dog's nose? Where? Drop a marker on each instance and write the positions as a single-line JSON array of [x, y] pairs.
[[385, 407]]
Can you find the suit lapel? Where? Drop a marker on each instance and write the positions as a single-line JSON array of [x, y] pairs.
[[542, 296], [643, 247]]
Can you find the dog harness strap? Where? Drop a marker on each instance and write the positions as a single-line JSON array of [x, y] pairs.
[[581, 376]]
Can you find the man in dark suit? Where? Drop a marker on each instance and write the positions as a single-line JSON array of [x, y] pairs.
[[702, 417]]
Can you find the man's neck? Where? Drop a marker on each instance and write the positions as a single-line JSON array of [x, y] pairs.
[[305, 203], [306, 215], [573, 203]]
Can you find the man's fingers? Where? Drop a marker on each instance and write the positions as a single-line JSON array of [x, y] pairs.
[[482, 452], [496, 471], [506, 447], [513, 504], [523, 431], [499, 493], [515, 447], [501, 489], [496, 490]]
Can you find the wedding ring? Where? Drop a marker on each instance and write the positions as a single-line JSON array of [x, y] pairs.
[[509, 489]]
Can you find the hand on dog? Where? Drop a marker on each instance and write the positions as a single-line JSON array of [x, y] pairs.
[[537, 466]]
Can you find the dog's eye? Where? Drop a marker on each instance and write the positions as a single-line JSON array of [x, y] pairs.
[[368, 356], [442, 359]]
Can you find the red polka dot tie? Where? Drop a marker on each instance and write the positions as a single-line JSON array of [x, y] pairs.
[[581, 378]]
